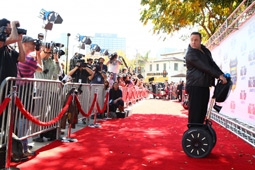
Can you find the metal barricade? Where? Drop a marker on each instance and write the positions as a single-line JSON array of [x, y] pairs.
[[101, 92], [84, 97], [47, 103], [5, 91], [41, 98], [38, 99]]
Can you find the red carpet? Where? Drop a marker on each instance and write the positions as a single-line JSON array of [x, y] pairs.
[[140, 142]]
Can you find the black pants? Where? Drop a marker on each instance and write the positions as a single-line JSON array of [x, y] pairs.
[[113, 107], [198, 103], [180, 95]]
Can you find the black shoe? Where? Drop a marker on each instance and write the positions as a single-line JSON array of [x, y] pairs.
[[51, 139], [19, 159], [84, 120], [38, 139]]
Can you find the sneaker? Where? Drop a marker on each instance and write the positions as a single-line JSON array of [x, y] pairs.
[[29, 153]]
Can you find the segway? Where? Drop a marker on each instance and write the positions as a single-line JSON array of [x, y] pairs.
[[199, 140]]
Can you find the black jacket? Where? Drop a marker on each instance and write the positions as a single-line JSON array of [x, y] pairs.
[[201, 69]]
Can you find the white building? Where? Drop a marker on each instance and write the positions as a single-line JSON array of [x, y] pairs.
[[171, 63]]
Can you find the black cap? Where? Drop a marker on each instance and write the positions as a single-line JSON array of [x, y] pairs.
[[26, 38]]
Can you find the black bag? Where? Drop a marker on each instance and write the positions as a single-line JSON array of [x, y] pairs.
[[17, 147], [121, 114], [51, 135], [17, 152], [2, 157], [221, 91]]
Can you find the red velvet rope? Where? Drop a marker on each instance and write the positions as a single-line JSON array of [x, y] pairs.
[[105, 104], [90, 109], [4, 104], [133, 94], [35, 120], [124, 94]]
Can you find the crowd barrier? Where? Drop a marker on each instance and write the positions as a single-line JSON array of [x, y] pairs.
[[29, 107]]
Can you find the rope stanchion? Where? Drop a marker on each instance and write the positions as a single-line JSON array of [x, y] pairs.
[[90, 109], [35, 120], [4, 104], [101, 111]]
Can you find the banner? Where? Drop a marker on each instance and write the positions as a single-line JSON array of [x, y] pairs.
[[236, 55]]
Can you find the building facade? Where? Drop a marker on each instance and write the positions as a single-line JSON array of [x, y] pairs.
[[170, 67], [111, 42]]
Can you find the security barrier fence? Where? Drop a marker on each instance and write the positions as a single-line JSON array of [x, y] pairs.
[[29, 107]]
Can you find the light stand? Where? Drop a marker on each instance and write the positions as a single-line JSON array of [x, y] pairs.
[[67, 45]]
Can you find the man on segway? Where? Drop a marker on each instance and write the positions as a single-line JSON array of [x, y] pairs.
[[201, 74]]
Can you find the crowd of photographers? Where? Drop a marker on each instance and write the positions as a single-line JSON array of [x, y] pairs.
[[37, 59], [97, 71], [23, 56]]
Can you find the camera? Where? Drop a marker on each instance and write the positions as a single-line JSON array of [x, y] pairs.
[[3, 33], [56, 49], [113, 56], [47, 45], [38, 42], [81, 63], [20, 30], [97, 67]]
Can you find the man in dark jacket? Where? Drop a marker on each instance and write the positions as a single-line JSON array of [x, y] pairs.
[[201, 74]]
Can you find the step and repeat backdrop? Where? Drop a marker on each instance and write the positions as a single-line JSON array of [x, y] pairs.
[[236, 55]]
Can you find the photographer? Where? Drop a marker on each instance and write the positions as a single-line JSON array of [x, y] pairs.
[[99, 74], [81, 73], [114, 65], [27, 70], [51, 70], [51, 64], [8, 56], [74, 60], [90, 63]]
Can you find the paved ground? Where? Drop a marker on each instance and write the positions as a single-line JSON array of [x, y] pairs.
[[158, 106], [145, 106]]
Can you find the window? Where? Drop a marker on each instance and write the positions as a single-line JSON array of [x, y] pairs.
[[164, 66], [157, 67], [175, 66], [150, 67]]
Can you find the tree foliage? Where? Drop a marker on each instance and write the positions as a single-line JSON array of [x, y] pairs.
[[169, 16]]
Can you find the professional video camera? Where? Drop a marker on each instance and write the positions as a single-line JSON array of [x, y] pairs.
[[97, 67], [77, 58], [5, 32], [81, 63]]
